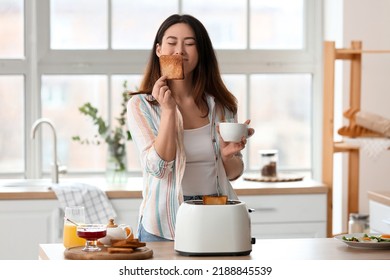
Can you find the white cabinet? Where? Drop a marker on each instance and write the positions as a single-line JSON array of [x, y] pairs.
[[287, 215], [27, 223], [379, 217]]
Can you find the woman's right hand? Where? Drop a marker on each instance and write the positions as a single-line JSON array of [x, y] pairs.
[[163, 94], [165, 142]]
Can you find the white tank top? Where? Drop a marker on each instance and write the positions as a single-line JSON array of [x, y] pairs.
[[200, 172]]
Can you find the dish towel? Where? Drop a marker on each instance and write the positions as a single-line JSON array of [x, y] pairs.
[[373, 147], [98, 208]]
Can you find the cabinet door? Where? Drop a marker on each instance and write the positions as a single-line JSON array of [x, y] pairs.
[[26, 224], [287, 208], [379, 217], [289, 230], [287, 216]]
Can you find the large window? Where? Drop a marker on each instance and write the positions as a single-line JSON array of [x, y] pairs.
[[56, 55]]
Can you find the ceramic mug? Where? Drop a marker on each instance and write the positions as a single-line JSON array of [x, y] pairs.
[[233, 132]]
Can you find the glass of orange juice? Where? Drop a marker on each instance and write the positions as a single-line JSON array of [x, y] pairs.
[[75, 214]]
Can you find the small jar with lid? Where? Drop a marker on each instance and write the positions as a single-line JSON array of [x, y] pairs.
[[358, 223], [268, 163]]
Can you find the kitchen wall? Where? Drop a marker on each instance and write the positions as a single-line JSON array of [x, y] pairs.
[[367, 21]]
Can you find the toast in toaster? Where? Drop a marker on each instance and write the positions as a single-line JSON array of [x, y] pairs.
[[172, 66], [214, 200]]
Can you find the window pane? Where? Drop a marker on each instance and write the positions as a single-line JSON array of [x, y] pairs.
[[225, 21], [11, 133], [61, 98], [236, 84], [78, 24], [280, 109], [135, 23], [276, 24], [132, 81], [11, 28]]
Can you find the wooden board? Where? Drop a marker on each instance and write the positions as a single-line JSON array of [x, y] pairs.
[[76, 253]]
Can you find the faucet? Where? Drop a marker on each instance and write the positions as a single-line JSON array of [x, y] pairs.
[[55, 167]]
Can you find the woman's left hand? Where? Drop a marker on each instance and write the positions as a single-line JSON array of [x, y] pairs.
[[229, 149]]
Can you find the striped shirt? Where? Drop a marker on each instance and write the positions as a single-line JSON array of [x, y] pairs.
[[162, 192]]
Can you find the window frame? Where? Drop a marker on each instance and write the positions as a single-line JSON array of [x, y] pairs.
[[41, 60]]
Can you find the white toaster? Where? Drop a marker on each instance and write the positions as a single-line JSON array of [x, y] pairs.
[[213, 229]]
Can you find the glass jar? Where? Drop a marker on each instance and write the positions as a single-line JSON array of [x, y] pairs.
[[268, 163], [358, 223]]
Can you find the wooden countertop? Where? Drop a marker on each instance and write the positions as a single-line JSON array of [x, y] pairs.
[[380, 196], [133, 188], [264, 249]]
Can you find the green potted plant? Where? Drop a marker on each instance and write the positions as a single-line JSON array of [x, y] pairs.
[[115, 137]]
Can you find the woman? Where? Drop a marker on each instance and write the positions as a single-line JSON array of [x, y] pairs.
[[174, 125]]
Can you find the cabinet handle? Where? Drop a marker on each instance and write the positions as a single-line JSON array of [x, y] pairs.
[[265, 209]]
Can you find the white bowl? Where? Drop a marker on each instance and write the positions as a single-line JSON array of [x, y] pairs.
[[233, 132]]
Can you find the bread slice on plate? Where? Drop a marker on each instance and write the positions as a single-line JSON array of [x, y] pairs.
[[172, 66]]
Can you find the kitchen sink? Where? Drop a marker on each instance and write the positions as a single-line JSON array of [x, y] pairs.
[[26, 183]]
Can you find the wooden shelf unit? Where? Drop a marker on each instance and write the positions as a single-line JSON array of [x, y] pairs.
[[354, 55]]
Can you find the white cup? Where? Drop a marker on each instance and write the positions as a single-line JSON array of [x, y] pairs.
[[233, 132]]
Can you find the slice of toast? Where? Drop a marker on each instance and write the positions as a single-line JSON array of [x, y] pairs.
[[172, 66], [113, 250], [124, 243], [214, 200]]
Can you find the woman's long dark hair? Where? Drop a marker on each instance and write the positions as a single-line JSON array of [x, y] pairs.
[[206, 76]]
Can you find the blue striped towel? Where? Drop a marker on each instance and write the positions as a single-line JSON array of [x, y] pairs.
[[98, 208]]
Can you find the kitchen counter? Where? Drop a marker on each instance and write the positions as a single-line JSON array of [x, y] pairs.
[[133, 188], [264, 249], [380, 196]]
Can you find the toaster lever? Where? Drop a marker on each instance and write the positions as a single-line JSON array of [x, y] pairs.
[[253, 240], [250, 210]]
